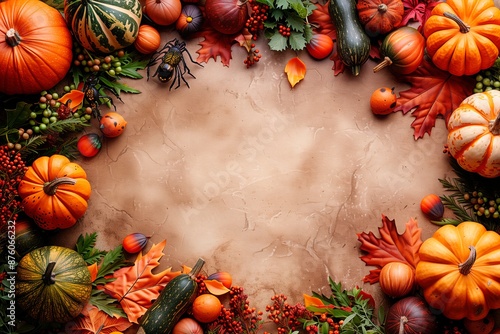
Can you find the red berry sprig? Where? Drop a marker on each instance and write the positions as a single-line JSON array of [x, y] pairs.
[[285, 316], [284, 30], [12, 169], [239, 317], [258, 15], [253, 56]]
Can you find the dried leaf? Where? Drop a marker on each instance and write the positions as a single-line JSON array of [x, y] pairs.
[[93, 321], [322, 22], [245, 40], [214, 45], [136, 287], [433, 93], [391, 246], [75, 98], [215, 287], [418, 11], [93, 271], [295, 70]]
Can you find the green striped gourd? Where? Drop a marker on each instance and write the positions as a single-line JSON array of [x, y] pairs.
[[104, 25]]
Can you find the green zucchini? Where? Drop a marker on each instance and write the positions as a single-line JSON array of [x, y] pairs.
[[353, 44], [172, 303]]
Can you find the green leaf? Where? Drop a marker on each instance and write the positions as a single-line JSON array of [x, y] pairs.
[[117, 87], [278, 42], [131, 66], [112, 261], [85, 247], [16, 118], [277, 15], [297, 41], [269, 3], [106, 303], [299, 7], [283, 4]]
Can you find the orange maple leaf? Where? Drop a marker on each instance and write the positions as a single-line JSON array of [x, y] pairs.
[[136, 287], [93, 321], [295, 70], [390, 247], [74, 98], [214, 45], [321, 21], [433, 93]]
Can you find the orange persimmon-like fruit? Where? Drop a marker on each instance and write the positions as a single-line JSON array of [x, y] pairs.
[[206, 308], [383, 101]]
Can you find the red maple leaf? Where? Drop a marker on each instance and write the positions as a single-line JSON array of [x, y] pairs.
[[391, 246], [433, 93], [321, 21], [214, 45], [418, 11]]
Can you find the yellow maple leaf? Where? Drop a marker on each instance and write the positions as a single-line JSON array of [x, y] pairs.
[[295, 70], [136, 287]]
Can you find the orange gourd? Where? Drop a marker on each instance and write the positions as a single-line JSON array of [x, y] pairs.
[[463, 36], [379, 17], [163, 12], [474, 134], [148, 39], [55, 192], [458, 271], [397, 279], [35, 47], [206, 308]]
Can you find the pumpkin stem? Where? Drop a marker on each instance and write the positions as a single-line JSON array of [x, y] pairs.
[[386, 62], [402, 322], [50, 188], [466, 266], [197, 268], [495, 126], [12, 37], [48, 276], [382, 8], [464, 27]]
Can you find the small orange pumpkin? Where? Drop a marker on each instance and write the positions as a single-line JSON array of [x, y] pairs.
[[320, 46], [148, 39], [463, 36], [383, 101], [380, 16], [55, 192], [474, 134], [35, 47], [163, 12], [397, 279], [458, 271]]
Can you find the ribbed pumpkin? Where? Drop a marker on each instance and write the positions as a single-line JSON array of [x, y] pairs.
[[55, 192], [380, 16], [458, 270], [53, 284], [163, 12], [148, 40], [463, 36], [104, 25], [35, 47], [402, 50], [474, 134]]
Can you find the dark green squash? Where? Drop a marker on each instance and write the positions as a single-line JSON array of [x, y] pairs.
[[172, 303], [353, 45]]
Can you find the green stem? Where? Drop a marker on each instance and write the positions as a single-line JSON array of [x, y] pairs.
[[50, 188], [464, 27], [466, 266], [48, 276], [197, 267]]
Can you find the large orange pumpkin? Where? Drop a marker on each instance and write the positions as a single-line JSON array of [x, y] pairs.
[[163, 12], [35, 47], [474, 134], [55, 192], [458, 270], [463, 36]]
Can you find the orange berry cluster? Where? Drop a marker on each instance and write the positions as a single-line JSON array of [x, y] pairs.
[[239, 317], [12, 169], [285, 316]]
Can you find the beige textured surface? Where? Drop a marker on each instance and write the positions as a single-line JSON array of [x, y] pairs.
[[264, 181]]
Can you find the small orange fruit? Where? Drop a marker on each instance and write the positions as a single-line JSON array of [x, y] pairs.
[[206, 308], [112, 124], [383, 101]]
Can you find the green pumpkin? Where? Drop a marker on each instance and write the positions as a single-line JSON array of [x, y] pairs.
[[53, 284], [28, 237], [104, 25]]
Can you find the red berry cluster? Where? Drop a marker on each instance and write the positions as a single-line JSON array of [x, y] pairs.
[[323, 321], [200, 280], [253, 56], [284, 31], [12, 169], [258, 15], [285, 316], [239, 317]]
